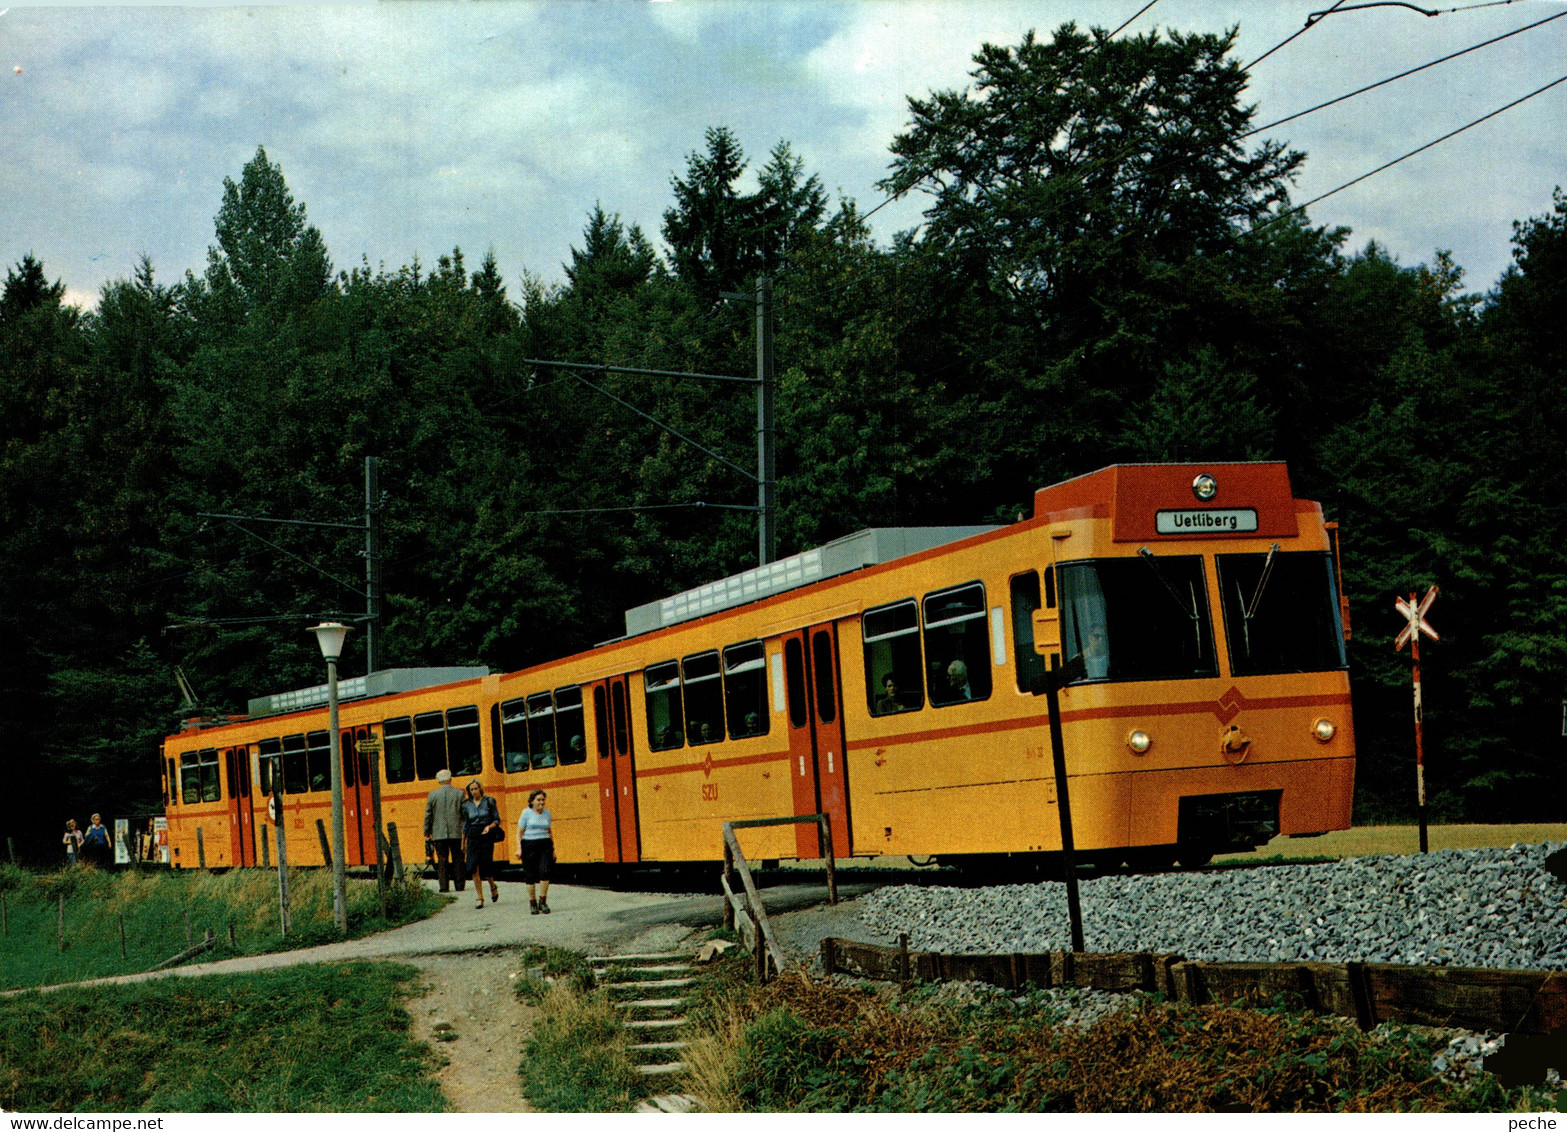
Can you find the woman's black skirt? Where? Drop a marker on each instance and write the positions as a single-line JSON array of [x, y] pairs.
[[481, 857], [538, 857]]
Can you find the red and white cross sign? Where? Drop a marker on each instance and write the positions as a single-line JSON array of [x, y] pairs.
[[1416, 616]]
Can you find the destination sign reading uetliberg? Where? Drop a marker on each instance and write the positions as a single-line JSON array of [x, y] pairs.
[[1205, 522]]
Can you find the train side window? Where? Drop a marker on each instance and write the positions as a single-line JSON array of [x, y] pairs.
[[429, 744], [296, 779], [497, 744], [821, 663], [242, 761], [894, 680], [745, 689], [462, 740], [663, 706], [569, 726], [704, 691], [360, 734], [190, 778], [398, 749], [601, 722], [271, 766], [211, 788], [514, 732], [541, 730], [957, 645], [319, 757], [1025, 600], [171, 784], [794, 678]]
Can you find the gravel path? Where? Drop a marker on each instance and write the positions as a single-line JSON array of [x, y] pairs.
[[1458, 907]]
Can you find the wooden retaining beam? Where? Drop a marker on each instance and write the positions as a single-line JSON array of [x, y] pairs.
[[1473, 998]]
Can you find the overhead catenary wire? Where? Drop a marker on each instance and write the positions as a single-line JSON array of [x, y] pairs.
[[1405, 157], [1402, 75]]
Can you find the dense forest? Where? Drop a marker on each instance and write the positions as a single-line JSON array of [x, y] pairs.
[[1109, 269]]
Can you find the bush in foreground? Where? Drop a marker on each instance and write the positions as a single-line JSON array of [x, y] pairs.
[[802, 1044]]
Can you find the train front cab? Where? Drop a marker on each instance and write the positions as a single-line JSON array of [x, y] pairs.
[[1225, 653], [1243, 702]]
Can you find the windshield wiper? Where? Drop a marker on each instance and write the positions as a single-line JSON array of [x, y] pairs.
[[1147, 556], [1267, 572]]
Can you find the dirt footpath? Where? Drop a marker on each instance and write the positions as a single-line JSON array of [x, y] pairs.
[[472, 1017]]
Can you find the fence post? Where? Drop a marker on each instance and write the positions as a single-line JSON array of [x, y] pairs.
[[231, 934], [266, 849], [326, 846], [397, 851], [282, 878], [5, 921], [384, 847], [729, 875], [201, 849], [832, 879], [61, 927], [120, 916], [188, 939]]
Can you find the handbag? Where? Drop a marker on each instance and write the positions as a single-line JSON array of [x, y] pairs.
[[496, 835]]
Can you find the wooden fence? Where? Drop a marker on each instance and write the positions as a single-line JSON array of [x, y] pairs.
[[1473, 998]]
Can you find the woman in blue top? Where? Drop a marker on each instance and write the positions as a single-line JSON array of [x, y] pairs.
[[537, 849], [481, 819]]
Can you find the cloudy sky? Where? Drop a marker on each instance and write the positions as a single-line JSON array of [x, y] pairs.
[[409, 128]]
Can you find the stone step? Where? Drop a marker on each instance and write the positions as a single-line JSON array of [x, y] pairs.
[[647, 957], [670, 1102], [636, 973], [662, 1070], [649, 1047], [654, 1023], [649, 1007], [641, 985]]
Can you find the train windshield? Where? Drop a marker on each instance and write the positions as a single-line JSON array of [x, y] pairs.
[[1281, 612], [1137, 618]]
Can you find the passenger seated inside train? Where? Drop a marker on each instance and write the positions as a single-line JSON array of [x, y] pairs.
[[890, 700], [546, 755]]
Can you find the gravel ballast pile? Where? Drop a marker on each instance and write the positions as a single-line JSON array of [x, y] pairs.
[[1457, 907]]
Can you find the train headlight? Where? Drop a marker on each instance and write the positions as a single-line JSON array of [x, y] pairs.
[[1323, 730], [1205, 487], [1139, 742]]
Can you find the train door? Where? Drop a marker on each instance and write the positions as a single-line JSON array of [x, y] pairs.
[[816, 735], [242, 825], [356, 799], [616, 770]]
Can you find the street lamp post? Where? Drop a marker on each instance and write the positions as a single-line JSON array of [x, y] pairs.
[[330, 635]]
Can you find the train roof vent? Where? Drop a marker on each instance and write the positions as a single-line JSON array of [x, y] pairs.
[[382, 683], [852, 552]]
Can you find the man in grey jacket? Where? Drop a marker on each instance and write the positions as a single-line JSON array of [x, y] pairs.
[[443, 828]]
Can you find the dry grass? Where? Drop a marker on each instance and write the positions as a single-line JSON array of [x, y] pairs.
[[803, 1044]]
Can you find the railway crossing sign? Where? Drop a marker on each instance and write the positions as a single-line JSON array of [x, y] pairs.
[[1416, 616], [1415, 624]]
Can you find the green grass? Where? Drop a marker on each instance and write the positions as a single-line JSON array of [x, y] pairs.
[[312, 1038], [575, 1060], [154, 905]]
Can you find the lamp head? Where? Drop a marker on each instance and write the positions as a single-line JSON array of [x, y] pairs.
[[330, 635]]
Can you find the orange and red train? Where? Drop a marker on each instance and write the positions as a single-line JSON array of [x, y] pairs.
[[885, 680]]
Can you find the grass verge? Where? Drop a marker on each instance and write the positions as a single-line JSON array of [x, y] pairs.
[[575, 1060], [803, 1044], [154, 907], [312, 1038]]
